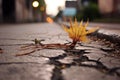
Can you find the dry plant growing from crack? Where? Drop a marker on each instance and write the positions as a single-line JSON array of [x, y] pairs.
[[77, 32]]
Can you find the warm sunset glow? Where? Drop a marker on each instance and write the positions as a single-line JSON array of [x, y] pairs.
[[52, 6], [49, 20]]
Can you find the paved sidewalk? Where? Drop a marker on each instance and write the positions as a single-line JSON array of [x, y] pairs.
[[109, 29], [106, 28], [89, 61]]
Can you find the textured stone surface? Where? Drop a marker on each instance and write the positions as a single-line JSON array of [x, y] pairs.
[[76, 73], [52, 64]]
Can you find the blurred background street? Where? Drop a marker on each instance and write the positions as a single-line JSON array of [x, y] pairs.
[[22, 11]]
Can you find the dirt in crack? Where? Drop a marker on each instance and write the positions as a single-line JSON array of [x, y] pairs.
[[57, 73], [111, 41]]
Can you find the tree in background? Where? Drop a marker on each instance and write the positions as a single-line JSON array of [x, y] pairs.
[[89, 11]]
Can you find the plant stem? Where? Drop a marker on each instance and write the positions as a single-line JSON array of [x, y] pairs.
[[72, 45]]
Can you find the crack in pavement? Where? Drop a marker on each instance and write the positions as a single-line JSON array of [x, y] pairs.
[[7, 63], [79, 62], [57, 74], [112, 38], [81, 58]]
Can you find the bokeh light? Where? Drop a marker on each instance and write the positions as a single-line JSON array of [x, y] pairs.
[[49, 20], [42, 8], [35, 4]]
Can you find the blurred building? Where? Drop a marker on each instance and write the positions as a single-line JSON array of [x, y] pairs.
[[74, 4], [19, 11], [71, 7], [71, 4], [109, 7]]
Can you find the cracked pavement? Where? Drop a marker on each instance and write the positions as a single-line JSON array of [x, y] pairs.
[[86, 62]]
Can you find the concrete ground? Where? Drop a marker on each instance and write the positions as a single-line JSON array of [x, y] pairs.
[[106, 28], [88, 61]]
